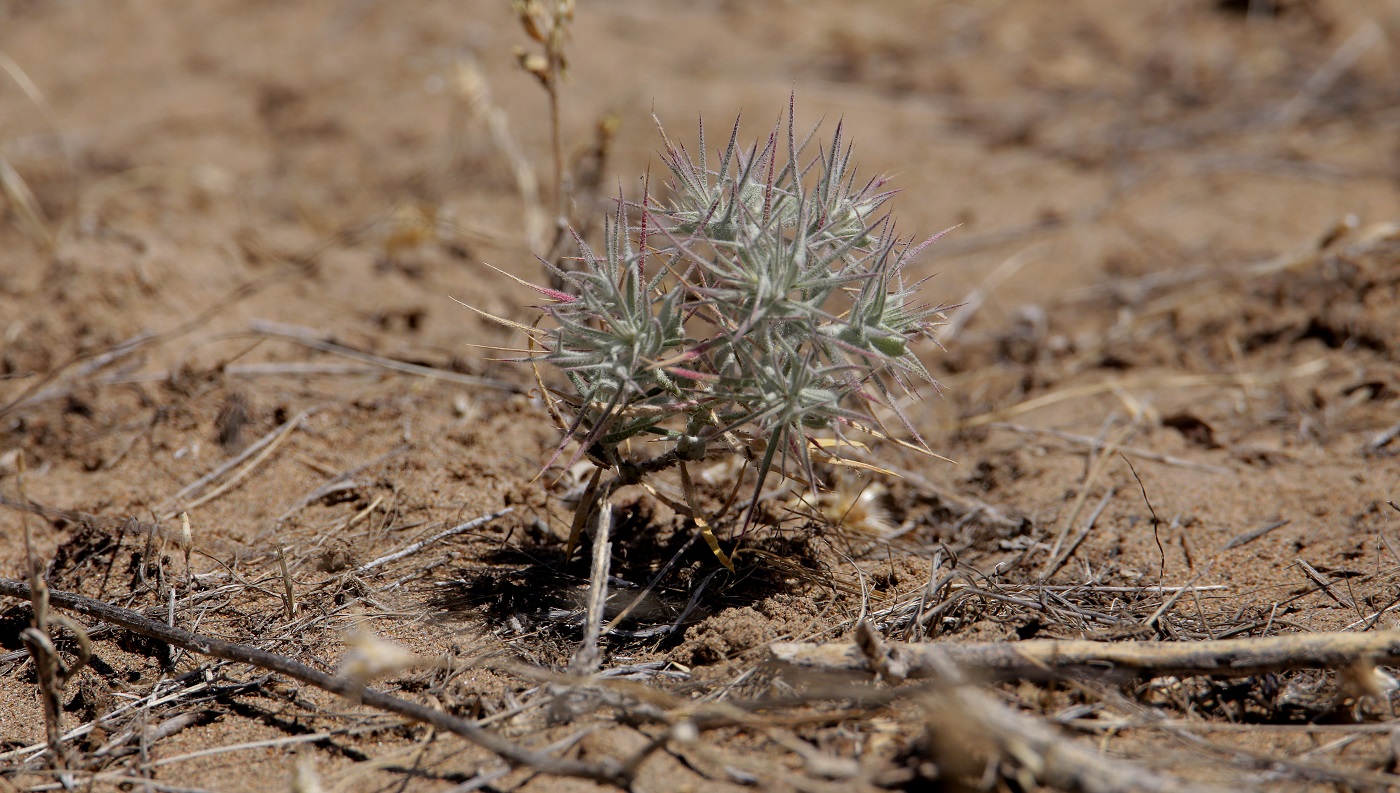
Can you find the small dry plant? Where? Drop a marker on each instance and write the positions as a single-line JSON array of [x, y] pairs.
[[762, 310]]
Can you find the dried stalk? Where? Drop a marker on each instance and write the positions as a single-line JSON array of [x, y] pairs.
[[587, 656], [309, 338], [963, 722], [1052, 658], [166, 509], [50, 670]]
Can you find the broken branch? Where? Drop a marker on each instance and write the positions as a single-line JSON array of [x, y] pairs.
[[1051, 658]]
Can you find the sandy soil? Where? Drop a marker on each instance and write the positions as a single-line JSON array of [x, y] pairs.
[[1174, 248]]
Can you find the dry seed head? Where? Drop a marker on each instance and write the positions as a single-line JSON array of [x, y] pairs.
[[535, 64], [1363, 679], [186, 538], [304, 776], [547, 23], [468, 84], [533, 18], [371, 657], [852, 504]]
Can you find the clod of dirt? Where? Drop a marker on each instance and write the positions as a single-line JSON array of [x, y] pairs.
[[735, 631], [1193, 429]]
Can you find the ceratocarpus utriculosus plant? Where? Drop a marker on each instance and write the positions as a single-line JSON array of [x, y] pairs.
[[762, 305]]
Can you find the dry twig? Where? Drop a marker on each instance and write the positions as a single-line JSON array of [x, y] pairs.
[[955, 712], [608, 772], [436, 538], [1051, 658], [262, 448], [963, 721], [587, 656]]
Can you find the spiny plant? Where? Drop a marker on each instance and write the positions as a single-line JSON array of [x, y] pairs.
[[761, 310]]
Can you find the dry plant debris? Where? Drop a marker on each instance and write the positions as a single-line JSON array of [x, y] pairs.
[[1122, 661], [1170, 388], [351, 684]]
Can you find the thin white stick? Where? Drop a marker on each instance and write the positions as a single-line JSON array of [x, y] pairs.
[[306, 338], [252, 449], [1368, 35], [420, 545], [288, 741], [84, 729], [238, 475], [585, 660], [962, 315]]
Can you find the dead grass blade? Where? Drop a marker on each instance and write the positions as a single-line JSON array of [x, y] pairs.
[[1097, 465], [697, 515], [1054, 565], [1368, 35], [31, 90], [308, 338], [1085, 440], [581, 513], [26, 206], [959, 317], [1152, 380], [258, 451]]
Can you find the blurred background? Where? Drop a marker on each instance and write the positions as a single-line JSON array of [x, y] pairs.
[[188, 144], [1134, 187]]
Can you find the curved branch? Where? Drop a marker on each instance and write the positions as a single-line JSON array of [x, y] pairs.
[[610, 772]]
